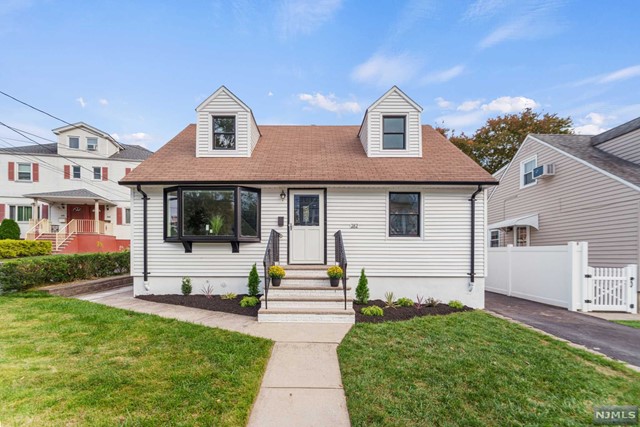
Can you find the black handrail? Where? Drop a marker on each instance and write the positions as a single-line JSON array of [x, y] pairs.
[[341, 260], [271, 256]]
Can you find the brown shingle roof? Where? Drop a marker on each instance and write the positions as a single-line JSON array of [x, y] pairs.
[[309, 154]]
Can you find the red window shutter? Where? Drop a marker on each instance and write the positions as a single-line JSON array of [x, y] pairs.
[[1, 212], [36, 172], [119, 221], [12, 171], [45, 211], [67, 172], [105, 173], [126, 171]]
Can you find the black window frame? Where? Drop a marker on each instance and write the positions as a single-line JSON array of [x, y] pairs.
[[236, 238], [418, 228], [214, 133], [404, 134]]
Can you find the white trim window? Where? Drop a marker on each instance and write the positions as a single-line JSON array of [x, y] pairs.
[[74, 142], [521, 236], [24, 172], [494, 238], [20, 213], [404, 214], [92, 143], [224, 132], [97, 172], [394, 132], [526, 172], [76, 172], [127, 216]]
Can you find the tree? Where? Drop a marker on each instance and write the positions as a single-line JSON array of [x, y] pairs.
[[494, 145], [362, 290], [254, 282], [9, 229]]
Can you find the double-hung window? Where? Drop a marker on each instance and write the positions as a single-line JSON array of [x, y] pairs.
[[76, 172], [224, 133], [20, 213], [74, 142], [393, 128], [521, 235], [92, 144], [127, 216], [494, 241], [97, 172], [24, 171], [404, 214], [526, 172]]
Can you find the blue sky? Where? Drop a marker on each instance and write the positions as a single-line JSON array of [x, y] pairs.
[[139, 69]]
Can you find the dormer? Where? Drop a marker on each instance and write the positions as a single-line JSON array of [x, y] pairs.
[[81, 140], [225, 126], [392, 127]]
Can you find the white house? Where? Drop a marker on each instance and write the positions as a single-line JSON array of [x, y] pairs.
[[391, 196], [70, 187]]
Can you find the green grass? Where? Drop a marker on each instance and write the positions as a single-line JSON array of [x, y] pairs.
[[632, 323], [472, 369], [69, 362]]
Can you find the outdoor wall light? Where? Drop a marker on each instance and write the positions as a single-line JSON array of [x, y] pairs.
[[283, 195]]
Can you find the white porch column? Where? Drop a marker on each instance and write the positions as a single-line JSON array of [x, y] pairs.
[[34, 211], [96, 217]]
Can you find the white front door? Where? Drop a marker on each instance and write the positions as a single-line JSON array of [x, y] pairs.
[[306, 226]]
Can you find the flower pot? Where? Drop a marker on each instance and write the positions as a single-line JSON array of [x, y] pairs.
[[334, 281], [275, 281]]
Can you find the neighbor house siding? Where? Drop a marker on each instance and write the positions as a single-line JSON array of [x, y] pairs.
[[394, 104], [223, 104], [625, 146], [577, 204]]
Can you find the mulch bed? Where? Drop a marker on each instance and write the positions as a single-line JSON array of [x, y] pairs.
[[215, 303], [403, 313]]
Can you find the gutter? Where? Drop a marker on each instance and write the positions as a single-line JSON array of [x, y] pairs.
[[309, 182], [472, 266], [145, 257]]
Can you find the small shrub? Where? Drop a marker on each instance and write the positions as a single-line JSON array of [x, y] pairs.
[[24, 248], [362, 290], [253, 284], [249, 301], [277, 272], [404, 302], [186, 286], [335, 272], [9, 229], [432, 302], [456, 304], [388, 300], [229, 295], [207, 290], [373, 310], [419, 301]]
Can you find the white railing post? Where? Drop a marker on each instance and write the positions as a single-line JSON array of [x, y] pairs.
[[632, 289], [509, 272]]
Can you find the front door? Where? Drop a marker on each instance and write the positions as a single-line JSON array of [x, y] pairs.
[[83, 212], [306, 227]]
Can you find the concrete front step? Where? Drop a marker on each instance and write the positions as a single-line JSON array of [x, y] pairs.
[[307, 291], [306, 315], [330, 302]]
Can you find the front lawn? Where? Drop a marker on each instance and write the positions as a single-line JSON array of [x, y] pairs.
[[632, 323], [473, 369], [70, 362]]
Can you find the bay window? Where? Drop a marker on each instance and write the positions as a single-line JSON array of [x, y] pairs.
[[212, 214]]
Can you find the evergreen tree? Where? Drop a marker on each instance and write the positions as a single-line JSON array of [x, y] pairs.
[[362, 291], [254, 282]]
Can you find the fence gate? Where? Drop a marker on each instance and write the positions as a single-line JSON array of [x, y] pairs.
[[612, 289]]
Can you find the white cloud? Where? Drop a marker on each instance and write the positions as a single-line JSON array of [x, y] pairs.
[[81, 102], [469, 105], [305, 16], [484, 8], [592, 124], [103, 102], [138, 138], [330, 103], [443, 103], [444, 75], [269, 93], [386, 70], [462, 122], [508, 104], [623, 74], [509, 31]]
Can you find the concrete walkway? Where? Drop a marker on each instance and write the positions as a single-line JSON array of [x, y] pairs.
[[614, 340], [302, 385]]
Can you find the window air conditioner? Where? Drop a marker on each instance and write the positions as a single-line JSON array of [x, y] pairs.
[[544, 171]]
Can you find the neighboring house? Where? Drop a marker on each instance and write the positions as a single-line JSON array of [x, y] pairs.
[[399, 193], [561, 188], [68, 190]]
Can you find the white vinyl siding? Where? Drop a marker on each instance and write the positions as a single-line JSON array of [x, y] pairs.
[[576, 204], [255, 133], [625, 146], [363, 133], [394, 105]]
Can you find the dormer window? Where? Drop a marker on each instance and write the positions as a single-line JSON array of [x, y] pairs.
[[92, 144], [224, 133], [393, 137], [74, 142]]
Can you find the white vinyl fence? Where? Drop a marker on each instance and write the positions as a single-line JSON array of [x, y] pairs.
[[561, 276]]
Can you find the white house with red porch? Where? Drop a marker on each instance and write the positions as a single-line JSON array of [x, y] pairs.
[[67, 192]]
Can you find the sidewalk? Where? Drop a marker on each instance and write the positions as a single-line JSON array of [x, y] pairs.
[[302, 385]]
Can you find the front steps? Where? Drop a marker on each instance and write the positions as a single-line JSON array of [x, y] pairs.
[[305, 296]]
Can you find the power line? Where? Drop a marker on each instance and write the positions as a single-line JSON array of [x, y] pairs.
[[35, 108]]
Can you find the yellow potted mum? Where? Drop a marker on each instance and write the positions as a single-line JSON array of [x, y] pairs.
[[335, 273], [276, 273]]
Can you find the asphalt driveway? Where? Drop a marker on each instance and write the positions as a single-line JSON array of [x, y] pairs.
[[616, 341]]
